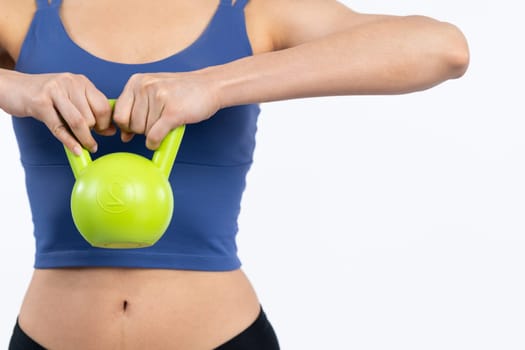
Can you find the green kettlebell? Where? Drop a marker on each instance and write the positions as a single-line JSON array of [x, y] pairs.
[[123, 200]]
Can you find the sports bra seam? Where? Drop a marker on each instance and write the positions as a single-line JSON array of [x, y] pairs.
[[112, 252], [61, 165], [215, 165]]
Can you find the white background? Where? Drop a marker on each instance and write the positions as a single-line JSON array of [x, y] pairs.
[[374, 222]]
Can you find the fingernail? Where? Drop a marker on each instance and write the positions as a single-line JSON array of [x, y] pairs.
[[77, 150], [94, 149]]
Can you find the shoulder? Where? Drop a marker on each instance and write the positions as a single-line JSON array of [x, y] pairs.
[[15, 18], [289, 23]]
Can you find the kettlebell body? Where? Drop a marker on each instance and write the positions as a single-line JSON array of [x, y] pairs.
[[124, 200]]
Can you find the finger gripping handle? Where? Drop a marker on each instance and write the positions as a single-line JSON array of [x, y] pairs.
[[163, 158]]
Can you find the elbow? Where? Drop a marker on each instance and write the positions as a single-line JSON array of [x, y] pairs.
[[444, 45], [456, 52]]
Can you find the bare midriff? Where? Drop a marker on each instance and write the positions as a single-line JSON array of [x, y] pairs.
[[115, 308]]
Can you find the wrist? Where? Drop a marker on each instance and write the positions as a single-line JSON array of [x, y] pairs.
[[229, 83], [10, 101], [266, 77], [215, 83], [4, 77]]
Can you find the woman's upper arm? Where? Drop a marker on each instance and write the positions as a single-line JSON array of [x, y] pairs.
[[294, 22], [15, 18], [5, 59], [3, 20]]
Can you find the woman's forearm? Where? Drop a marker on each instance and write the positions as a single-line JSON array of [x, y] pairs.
[[5, 75], [393, 55]]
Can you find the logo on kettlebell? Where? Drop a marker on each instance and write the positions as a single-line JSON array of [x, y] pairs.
[[116, 195]]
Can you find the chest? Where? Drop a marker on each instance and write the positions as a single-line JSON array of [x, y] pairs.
[[132, 31], [136, 31]]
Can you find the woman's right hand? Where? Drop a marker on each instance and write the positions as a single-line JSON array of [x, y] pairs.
[[68, 104]]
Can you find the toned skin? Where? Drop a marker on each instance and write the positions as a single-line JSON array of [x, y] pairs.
[[301, 49]]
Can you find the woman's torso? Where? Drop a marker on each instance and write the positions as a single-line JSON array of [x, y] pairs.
[[126, 308]]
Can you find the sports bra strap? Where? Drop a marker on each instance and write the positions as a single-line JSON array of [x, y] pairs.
[[238, 3], [46, 3]]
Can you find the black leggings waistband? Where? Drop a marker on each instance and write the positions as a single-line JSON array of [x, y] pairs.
[[258, 336], [20, 340]]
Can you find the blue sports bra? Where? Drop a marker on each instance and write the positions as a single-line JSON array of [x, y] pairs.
[[208, 177]]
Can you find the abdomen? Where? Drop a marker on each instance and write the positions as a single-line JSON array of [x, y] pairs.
[[108, 308]]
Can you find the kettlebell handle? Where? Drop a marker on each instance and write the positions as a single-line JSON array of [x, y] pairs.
[[163, 158], [165, 155]]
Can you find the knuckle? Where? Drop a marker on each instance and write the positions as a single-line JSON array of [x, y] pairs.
[[120, 119], [148, 85], [78, 80], [160, 94], [66, 77], [51, 85], [136, 78], [137, 130], [81, 77], [132, 126], [154, 138], [136, 126], [41, 102], [91, 122], [75, 122], [101, 109], [89, 143], [58, 130]]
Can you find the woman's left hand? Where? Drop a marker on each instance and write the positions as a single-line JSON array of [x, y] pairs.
[[153, 104]]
